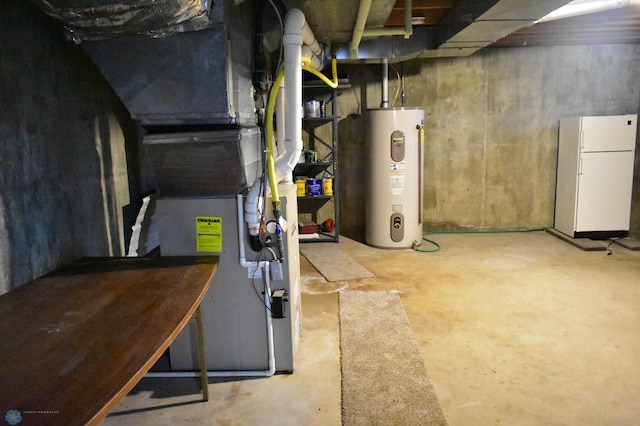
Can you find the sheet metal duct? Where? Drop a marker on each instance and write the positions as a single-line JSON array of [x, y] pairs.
[[474, 24], [467, 28], [189, 78], [196, 87], [202, 164]]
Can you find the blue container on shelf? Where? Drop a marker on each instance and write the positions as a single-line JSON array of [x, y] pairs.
[[314, 187]]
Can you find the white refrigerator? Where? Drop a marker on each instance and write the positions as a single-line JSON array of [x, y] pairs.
[[595, 176]]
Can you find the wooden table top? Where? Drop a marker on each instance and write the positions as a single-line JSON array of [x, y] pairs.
[[74, 342]]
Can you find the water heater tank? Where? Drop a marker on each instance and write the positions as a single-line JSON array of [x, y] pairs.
[[395, 139]]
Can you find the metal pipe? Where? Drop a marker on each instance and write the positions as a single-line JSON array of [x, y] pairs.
[[408, 21], [406, 30], [385, 84], [402, 96]]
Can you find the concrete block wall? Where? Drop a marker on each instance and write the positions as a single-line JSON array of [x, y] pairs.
[[68, 174], [491, 129]]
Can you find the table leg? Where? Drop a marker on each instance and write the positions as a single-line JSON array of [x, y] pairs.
[[203, 363]]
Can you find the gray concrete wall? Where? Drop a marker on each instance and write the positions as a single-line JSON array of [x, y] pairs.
[[69, 155], [65, 145], [491, 129]]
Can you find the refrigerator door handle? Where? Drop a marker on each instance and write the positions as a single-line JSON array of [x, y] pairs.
[[580, 166], [581, 139]]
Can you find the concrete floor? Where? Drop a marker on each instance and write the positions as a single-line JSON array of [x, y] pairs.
[[517, 329]]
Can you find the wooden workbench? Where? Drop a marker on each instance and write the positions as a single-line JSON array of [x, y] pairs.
[[76, 341]]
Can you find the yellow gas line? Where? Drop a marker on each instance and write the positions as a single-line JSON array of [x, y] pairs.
[[334, 69], [271, 172], [271, 103]]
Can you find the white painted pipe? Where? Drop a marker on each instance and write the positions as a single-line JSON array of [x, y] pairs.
[[242, 240], [408, 19], [296, 33], [295, 22], [280, 120], [282, 147], [386, 31], [360, 32], [253, 206], [315, 61], [361, 22]]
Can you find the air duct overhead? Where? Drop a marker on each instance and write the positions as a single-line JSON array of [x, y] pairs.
[[98, 19], [190, 77], [192, 91], [469, 26], [472, 24]]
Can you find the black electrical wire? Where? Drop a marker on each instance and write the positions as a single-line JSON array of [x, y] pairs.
[[255, 289]]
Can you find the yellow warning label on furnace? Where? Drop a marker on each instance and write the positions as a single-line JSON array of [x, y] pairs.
[[208, 233]]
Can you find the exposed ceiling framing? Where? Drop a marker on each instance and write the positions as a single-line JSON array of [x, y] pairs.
[[621, 25], [374, 31]]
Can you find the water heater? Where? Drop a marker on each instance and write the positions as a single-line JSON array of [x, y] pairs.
[[395, 139]]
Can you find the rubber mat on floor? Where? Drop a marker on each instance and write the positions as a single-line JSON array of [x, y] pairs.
[[333, 263], [384, 378]]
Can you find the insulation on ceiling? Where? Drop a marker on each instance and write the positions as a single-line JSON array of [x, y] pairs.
[[96, 20]]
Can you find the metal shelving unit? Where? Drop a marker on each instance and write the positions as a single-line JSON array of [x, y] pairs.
[[317, 129]]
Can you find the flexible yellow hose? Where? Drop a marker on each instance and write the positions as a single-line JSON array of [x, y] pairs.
[[271, 103], [334, 69]]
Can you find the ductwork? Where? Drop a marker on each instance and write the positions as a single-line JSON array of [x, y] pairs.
[[197, 77], [468, 27], [193, 94], [98, 20]]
